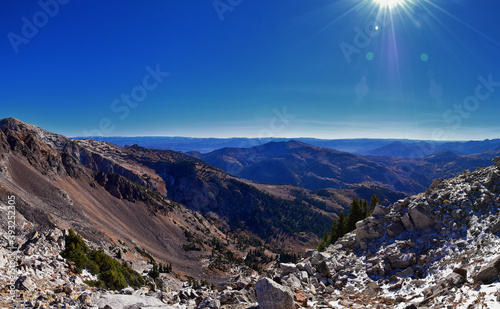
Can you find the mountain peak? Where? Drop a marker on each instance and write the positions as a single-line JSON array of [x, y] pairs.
[[13, 124], [54, 140]]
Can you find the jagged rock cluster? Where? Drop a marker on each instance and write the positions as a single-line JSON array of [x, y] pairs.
[[47, 280], [436, 249]]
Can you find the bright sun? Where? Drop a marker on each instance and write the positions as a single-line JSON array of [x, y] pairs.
[[389, 3]]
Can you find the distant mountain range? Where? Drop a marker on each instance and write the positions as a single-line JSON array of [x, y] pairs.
[[312, 167], [375, 147]]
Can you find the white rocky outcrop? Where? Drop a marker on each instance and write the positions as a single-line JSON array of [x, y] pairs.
[[272, 295]]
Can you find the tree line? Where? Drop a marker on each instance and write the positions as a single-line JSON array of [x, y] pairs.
[[359, 210]]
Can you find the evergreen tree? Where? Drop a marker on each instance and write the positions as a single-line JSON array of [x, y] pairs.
[[333, 232], [324, 242], [364, 209], [374, 201], [355, 214]]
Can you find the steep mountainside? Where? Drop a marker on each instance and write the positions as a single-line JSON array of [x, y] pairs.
[[438, 249], [174, 206]]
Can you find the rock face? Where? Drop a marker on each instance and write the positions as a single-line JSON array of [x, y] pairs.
[[288, 268], [420, 248], [272, 295], [489, 272], [497, 162], [419, 217], [129, 301]]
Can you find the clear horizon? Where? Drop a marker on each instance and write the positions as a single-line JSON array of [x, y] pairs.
[[421, 70]]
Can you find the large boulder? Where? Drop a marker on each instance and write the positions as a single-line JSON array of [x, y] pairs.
[[395, 229], [489, 272], [272, 295], [323, 269], [380, 211], [407, 222], [209, 303], [24, 283], [402, 261], [495, 228], [129, 301], [497, 162], [288, 268], [419, 217]]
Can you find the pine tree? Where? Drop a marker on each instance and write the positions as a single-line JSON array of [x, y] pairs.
[[374, 201], [364, 209], [333, 232], [324, 242], [355, 214]]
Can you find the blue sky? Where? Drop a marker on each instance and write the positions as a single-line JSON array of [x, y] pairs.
[[254, 68]]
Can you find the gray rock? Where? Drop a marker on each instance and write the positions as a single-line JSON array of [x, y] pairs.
[[127, 291], [395, 229], [24, 283], [419, 217], [310, 252], [67, 288], [271, 295], [323, 269], [227, 297], [288, 268], [488, 273], [129, 301], [496, 160], [380, 211], [293, 282], [407, 222], [495, 228], [408, 272], [209, 303], [403, 261]]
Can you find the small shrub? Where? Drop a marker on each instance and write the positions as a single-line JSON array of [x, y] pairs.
[[112, 275]]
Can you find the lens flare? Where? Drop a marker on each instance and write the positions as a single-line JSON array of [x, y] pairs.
[[389, 3]]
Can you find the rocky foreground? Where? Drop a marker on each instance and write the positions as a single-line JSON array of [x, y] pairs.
[[438, 249]]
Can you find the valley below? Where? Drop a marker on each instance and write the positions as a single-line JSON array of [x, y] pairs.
[[104, 226]]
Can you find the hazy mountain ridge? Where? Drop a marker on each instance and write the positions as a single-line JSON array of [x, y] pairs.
[[314, 167], [378, 147]]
